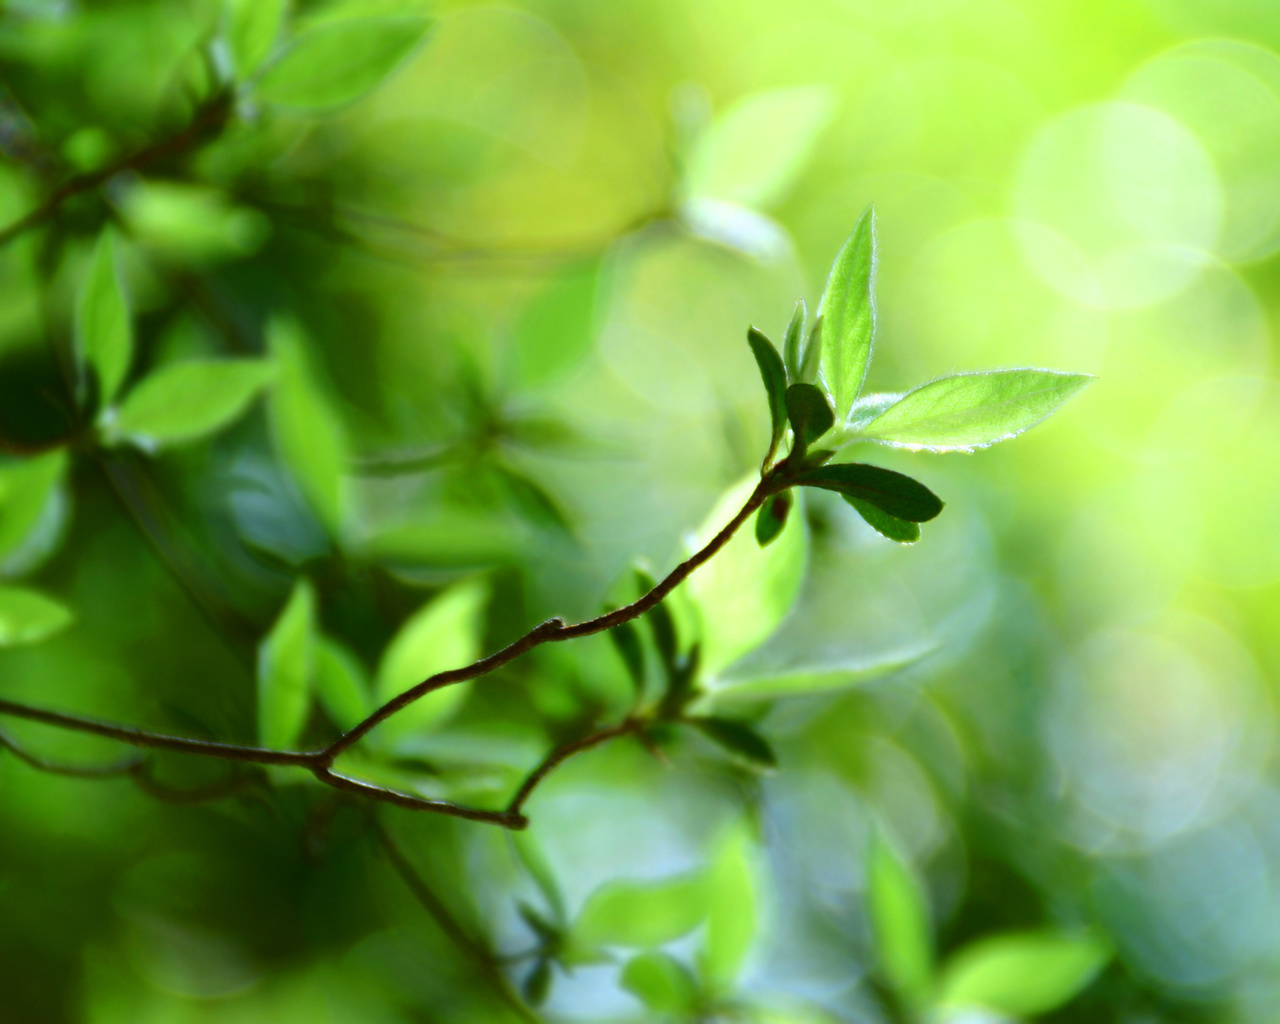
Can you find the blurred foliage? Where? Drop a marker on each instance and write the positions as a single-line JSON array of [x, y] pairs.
[[341, 342]]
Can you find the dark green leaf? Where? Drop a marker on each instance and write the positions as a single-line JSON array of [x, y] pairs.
[[680, 683], [663, 984], [27, 616], [793, 343], [848, 310], [660, 622], [537, 983], [772, 517], [891, 492], [774, 375], [104, 331], [538, 924], [531, 500], [810, 415], [901, 530], [626, 640], [739, 739]]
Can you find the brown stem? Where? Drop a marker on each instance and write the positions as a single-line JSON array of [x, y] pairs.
[[562, 753]]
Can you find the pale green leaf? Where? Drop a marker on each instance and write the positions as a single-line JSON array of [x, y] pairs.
[[640, 914], [972, 410], [558, 327], [445, 633], [251, 28], [104, 331], [27, 616], [27, 488], [286, 664], [1022, 974], [308, 434], [754, 152], [848, 312], [732, 909], [188, 400], [662, 983], [804, 681], [899, 914], [341, 684], [745, 591], [339, 61]]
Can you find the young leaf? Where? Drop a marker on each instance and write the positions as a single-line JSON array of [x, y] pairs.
[[972, 410], [867, 408], [804, 681], [445, 633], [772, 517], [340, 61], [793, 343], [732, 913], [308, 434], [812, 354], [188, 400], [810, 415], [739, 739], [662, 983], [251, 28], [27, 616], [286, 663], [888, 491], [743, 594], [626, 641], [27, 487], [1022, 974], [104, 332], [901, 530], [640, 914], [341, 684], [899, 916], [774, 375], [848, 311]]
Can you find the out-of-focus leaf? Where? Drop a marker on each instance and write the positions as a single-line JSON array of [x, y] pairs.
[[793, 344], [848, 312], [972, 410], [192, 222], [308, 434], [660, 622], [900, 921], [891, 492], [537, 983], [626, 641], [445, 633], [808, 681], [901, 530], [27, 486], [810, 415], [732, 909], [186, 401], [531, 500], [640, 914], [558, 326], [27, 616], [774, 375], [341, 684], [339, 61], [745, 591], [538, 924], [251, 28], [104, 331], [661, 982], [1022, 974], [772, 517], [757, 148], [539, 867], [739, 739], [286, 663]]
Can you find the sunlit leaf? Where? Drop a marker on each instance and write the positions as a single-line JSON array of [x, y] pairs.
[[972, 410], [804, 681], [732, 909], [901, 530], [848, 312], [899, 914], [341, 684], [810, 415], [27, 616], [445, 633], [867, 408], [337, 62], [104, 331], [744, 592], [758, 147], [661, 982], [286, 663], [891, 492], [1022, 974], [308, 433], [641, 914], [188, 400], [193, 223], [739, 738], [772, 517], [251, 28], [774, 375], [558, 326], [27, 488], [793, 344]]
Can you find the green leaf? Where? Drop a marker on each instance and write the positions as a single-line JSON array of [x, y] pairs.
[[848, 311], [891, 492], [901, 530], [251, 28], [286, 663], [27, 616], [809, 362], [537, 983], [661, 624], [188, 400], [340, 61], [537, 864], [972, 410], [626, 641], [774, 375], [793, 343], [341, 684], [804, 681], [899, 916], [445, 633], [1022, 974], [558, 327], [27, 488], [754, 151], [866, 409], [810, 415], [662, 983], [104, 331], [640, 914], [739, 739], [308, 435], [732, 911], [772, 517], [744, 592]]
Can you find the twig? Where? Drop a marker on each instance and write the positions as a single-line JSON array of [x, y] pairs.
[[566, 751]]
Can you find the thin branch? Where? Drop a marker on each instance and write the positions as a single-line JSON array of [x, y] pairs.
[[562, 753]]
